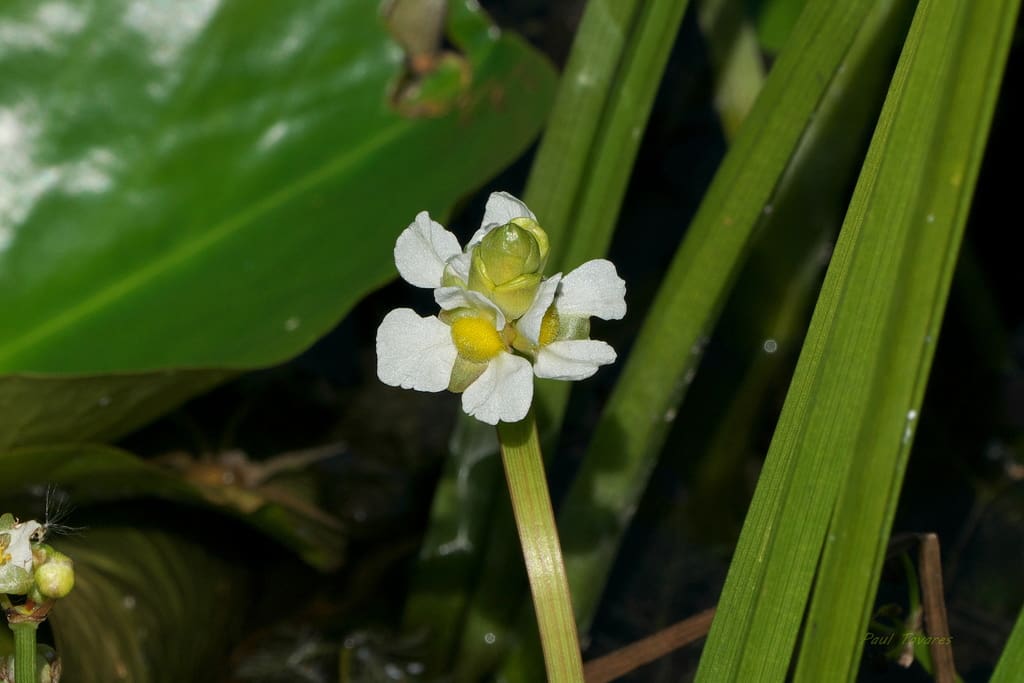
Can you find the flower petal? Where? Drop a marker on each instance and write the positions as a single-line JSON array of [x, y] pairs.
[[19, 546], [422, 250], [572, 359], [414, 352], [450, 298], [459, 266], [501, 208], [529, 323], [503, 393], [593, 289]]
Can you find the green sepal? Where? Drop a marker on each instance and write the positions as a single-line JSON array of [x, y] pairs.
[[571, 327], [449, 278], [14, 580], [7, 521], [464, 373], [514, 298], [479, 280]]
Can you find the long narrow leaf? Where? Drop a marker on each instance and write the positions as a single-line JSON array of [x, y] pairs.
[[1011, 662], [913, 209], [859, 379], [668, 349]]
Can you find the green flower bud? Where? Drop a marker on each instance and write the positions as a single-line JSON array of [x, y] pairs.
[[507, 265], [55, 574]]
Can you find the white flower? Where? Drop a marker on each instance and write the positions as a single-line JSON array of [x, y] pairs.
[[18, 551], [501, 322], [557, 325]]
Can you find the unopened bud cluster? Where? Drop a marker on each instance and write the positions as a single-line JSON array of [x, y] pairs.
[[507, 266]]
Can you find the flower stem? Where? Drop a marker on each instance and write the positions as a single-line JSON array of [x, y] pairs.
[[538, 535], [25, 651]]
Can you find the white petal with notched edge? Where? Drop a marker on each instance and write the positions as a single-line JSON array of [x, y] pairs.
[[529, 323], [414, 352], [593, 289], [450, 298], [501, 208], [423, 249], [572, 359], [503, 393]]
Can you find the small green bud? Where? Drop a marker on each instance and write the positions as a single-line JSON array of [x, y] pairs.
[[510, 251], [54, 574]]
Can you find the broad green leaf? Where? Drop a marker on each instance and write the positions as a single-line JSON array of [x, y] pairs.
[[854, 399], [89, 474], [905, 226], [66, 408], [148, 606], [213, 183]]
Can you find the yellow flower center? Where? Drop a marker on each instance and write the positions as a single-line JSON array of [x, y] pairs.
[[548, 327], [476, 339]]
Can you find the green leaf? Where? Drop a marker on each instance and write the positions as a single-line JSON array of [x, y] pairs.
[[38, 409], [213, 184], [774, 297], [736, 59], [1011, 663], [904, 230], [625, 445], [90, 474], [148, 607], [776, 21], [849, 417]]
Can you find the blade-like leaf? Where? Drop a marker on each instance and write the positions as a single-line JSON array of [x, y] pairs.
[[1011, 662], [623, 451], [912, 205], [861, 374]]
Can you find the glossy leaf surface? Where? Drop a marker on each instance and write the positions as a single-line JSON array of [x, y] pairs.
[[89, 475], [214, 183], [148, 606]]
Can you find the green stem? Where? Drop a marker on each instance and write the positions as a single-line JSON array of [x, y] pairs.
[[25, 651], [527, 486]]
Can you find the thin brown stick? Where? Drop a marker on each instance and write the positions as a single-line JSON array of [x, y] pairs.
[[644, 651], [936, 625]]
